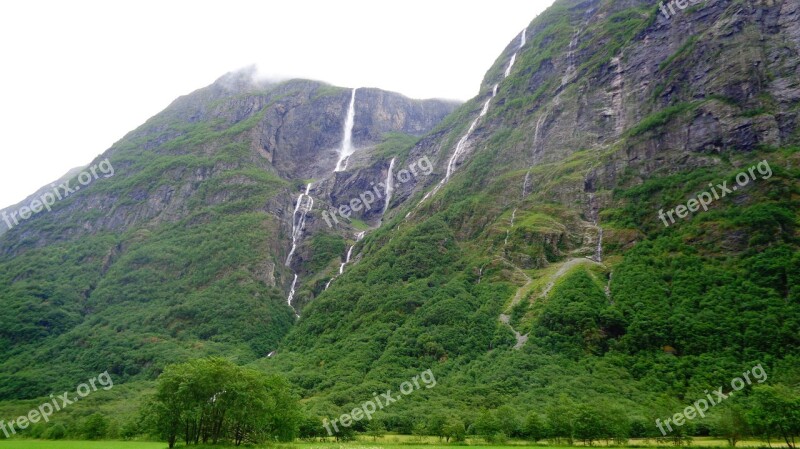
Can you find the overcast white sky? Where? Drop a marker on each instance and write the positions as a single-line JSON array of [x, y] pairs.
[[77, 75]]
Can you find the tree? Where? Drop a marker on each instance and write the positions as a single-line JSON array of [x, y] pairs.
[[95, 426], [508, 421], [534, 428], [487, 425], [730, 423], [454, 429], [588, 425], [561, 420], [211, 400], [56, 432], [376, 429], [435, 425], [775, 412]]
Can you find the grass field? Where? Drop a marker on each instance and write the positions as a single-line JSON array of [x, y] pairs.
[[44, 444], [388, 442]]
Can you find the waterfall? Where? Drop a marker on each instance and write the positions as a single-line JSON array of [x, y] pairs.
[[347, 260], [526, 184], [347, 141], [536, 133], [291, 294], [461, 146], [299, 225], [389, 187], [359, 236], [508, 231], [598, 253], [570, 72], [514, 56], [510, 64]]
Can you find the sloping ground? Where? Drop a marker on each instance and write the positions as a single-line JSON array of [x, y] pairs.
[[181, 253], [608, 115]]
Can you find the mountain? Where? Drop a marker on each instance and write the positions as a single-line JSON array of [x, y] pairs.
[[8, 220], [533, 270], [182, 251], [546, 250]]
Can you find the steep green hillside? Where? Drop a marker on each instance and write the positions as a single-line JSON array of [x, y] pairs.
[[181, 252], [497, 281]]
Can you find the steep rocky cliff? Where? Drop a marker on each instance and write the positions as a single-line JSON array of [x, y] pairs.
[[197, 216]]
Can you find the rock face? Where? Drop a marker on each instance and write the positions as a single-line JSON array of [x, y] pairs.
[[218, 172], [292, 129], [637, 97]]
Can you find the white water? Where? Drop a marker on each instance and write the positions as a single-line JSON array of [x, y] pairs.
[[508, 231], [299, 225], [514, 56], [389, 186], [359, 236], [598, 254], [526, 184], [291, 294], [347, 142], [347, 260], [460, 148], [511, 64], [297, 233], [570, 72], [536, 133]]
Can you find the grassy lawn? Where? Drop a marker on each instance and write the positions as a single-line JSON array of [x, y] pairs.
[[43, 444], [387, 442]]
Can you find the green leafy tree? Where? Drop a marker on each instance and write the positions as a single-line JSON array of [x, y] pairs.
[[775, 413], [588, 425], [376, 429], [487, 425], [95, 427], [211, 400], [508, 421], [730, 423], [535, 428], [455, 430]]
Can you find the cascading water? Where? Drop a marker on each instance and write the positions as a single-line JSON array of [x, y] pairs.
[[598, 253], [536, 133], [462, 143], [508, 231], [299, 225], [389, 186], [359, 236], [526, 184], [291, 294], [514, 56], [347, 141], [571, 69], [347, 260], [460, 148]]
